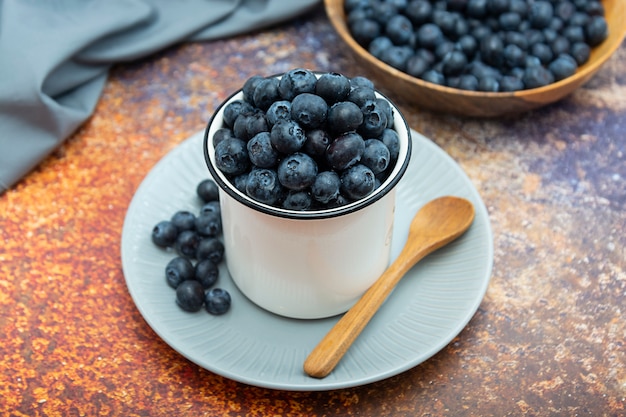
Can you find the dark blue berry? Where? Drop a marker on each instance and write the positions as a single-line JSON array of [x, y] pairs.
[[309, 110], [345, 151], [377, 48], [178, 270], [429, 36], [287, 136], [317, 140], [596, 30], [217, 301], [296, 81], [297, 171], [190, 295], [279, 110], [454, 63], [562, 67], [357, 182], [468, 82], [210, 248], [263, 185], [325, 188], [231, 156], [211, 207], [581, 52], [434, 76], [399, 29], [365, 31], [265, 93], [509, 83], [333, 87], [392, 141], [344, 116], [376, 156], [419, 11], [537, 76], [249, 86], [222, 134], [183, 220], [207, 190], [187, 243], [261, 152], [297, 200], [164, 234], [206, 273], [234, 109], [360, 81], [540, 14], [397, 56], [248, 125], [208, 224]]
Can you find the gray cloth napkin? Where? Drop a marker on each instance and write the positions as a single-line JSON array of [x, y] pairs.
[[55, 55]]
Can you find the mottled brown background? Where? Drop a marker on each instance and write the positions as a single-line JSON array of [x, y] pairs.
[[547, 340]]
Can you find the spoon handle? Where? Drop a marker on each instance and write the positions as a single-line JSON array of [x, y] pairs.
[[329, 351]]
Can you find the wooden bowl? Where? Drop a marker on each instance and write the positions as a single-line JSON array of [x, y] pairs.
[[470, 103]]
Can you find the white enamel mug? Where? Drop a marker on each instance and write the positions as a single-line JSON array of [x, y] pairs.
[[306, 264]]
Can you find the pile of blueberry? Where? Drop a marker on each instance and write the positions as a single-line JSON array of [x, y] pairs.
[[195, 239], [480, 45], [303, 142]]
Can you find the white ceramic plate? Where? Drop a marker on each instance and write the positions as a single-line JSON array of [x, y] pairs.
[[430, 306]]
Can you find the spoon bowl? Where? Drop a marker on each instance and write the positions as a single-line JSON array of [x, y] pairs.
[[436, 224]]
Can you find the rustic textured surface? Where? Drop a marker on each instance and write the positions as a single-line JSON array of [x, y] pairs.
[[548, 339]]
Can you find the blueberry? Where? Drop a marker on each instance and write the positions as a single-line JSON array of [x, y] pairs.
[[210, 248], [297, 171], [434, 76], [360, 95], [249, 86], [211, 207], [510, 83], [164, 234], [183, 220], [240, 182], [491, 50], [364, 31], [207, 190], [581, 52], [574, 34], [429, 36], [317, 140], [377, 48], [560, 45], [296, 81], [344, 116], [278, 110], [419, 11], [392, 141], [443, 49], [231, 156], [217, 301], [374, 119], [297, 200], [468, 45], [333, 87], [509, 21], [498, 7], [376, 156], [206, 273], [234, 109], [514, 56], [537, 76], [384, 11], [208, 224], [287, 136], [540, 13], [309, 110], [263, 185], [562, 67], [397, 56], [261, 152], [399, 29], [468, 82], [454, 63], [190, 295], [178, 270], [596, 30], [187, 243], [248, 125], [488, 84], [417, 65], [345, 151], [543, 52], [325, 188], [357, 182], [222, 134], [476, 8], [360, 81], [516, 38], [265, 93], [385, 107]]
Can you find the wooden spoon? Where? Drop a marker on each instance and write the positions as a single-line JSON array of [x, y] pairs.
[[436, 224]]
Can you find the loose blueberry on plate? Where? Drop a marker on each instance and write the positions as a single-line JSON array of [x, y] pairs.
[[178, 270], [164, 234], [190, 295], [217, 301]]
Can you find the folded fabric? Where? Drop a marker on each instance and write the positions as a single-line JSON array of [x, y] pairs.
[[55, 56]]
